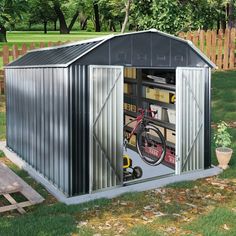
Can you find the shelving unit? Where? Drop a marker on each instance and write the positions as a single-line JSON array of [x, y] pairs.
[[137, 97]]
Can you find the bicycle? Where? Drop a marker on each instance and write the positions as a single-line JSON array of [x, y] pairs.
[[150, 142]]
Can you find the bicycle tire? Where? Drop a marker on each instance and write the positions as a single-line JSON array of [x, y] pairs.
[[142, 134]]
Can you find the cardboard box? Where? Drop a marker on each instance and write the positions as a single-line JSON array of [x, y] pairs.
[[170, 136], [160, 128], [130, 72], [129, 119], [171, 116], [159, 94]]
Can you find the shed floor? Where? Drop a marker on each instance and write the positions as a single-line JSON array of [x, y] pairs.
[[148, 171]]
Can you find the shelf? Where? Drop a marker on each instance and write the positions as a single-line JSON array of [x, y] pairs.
[[159, 85], [161, 123], [130, 113], [131, 81], [162, 104], [130, 96]]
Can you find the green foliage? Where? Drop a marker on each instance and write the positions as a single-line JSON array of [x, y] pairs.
[[11, 11], [222, 137]]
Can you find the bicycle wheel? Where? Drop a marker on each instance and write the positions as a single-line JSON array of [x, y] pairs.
[[151, 145]]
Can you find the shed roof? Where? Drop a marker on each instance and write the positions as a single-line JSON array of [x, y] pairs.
[[65, 55]]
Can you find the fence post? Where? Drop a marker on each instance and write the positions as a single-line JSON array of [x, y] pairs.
[[232, 49], [23, 49], [42, 45], [219, 54], [226, 50], [208, 43], [32, 46], [213, 49], [202, 40], [5, 56], [15, 52], [196, 38]]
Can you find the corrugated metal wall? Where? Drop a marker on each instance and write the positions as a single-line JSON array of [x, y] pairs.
[[38, 121], [106, 126], [79, 129], [190, 105]]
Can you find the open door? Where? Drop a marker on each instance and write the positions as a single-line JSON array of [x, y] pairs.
[[106, 126], [190, 106]]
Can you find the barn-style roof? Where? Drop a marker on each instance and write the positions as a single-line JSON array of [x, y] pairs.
[[150, 48]]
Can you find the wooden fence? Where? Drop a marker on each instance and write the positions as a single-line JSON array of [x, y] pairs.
[[9, 54], [218, 46]]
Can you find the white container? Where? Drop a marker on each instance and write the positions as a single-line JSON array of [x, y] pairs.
[[171, 116], [159, 112]]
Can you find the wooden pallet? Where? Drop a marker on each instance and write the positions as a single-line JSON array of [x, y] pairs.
[[10, 183]]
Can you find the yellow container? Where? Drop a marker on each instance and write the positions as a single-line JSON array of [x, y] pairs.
[[126, 88], [132, 141], [130, 73], [159, 94]]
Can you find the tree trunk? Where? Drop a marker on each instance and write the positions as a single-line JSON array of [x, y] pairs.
[[55, 25], [45, 27], [73, 20], [127, 10], [112, 26], [63, 27], [96, 14], [3, 34], [84, 24]]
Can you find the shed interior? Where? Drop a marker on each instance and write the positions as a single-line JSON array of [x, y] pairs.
[[154, 90]]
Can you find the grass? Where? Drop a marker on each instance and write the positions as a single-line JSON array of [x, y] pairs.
[[188, 208]]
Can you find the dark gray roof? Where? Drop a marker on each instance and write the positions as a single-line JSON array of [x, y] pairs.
[[150, 48], [54, 56]]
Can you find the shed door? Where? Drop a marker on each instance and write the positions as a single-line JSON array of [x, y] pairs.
[[190, 102], [106, 126]]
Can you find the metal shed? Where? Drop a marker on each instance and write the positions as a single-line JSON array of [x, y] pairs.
[[65, 107]]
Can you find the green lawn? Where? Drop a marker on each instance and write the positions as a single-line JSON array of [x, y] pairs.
[[204, 207]]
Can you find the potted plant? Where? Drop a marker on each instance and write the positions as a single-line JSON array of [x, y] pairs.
[[223, 140]]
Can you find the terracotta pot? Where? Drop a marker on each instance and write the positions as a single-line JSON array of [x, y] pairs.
[[223, 155]]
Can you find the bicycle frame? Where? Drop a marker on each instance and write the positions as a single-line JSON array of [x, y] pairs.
[[138, 120]]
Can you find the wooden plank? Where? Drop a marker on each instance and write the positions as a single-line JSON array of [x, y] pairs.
[[182, 35], [219, 53], [232, 48], [202, 40], [5, 51], [189, 36], [208, 43], [226, 50], [32, 46], [42, 45], [15, 52], [24, 49], [14, 203], [196, 38], [213, 49], [13, 207]]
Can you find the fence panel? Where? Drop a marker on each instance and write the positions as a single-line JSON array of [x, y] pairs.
[[8, 54], [218, 46]]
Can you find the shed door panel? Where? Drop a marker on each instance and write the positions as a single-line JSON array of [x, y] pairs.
[[106, 126], [190, 101]]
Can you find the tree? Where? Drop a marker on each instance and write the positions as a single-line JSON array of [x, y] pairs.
[[71, 6], [10, 13], [40, 11], [127, 11]]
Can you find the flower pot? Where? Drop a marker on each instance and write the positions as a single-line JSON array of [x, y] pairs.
[[223, 155]]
